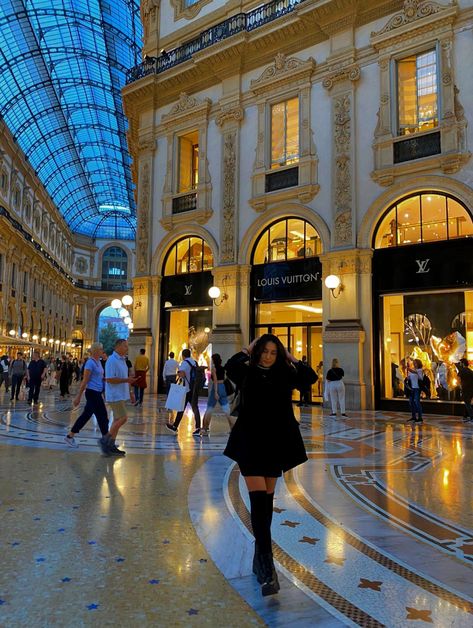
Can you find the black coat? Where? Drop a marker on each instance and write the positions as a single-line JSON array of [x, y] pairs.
[[266, 433], [466, 381]]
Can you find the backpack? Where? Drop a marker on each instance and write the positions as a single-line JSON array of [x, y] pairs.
[[196, 376]]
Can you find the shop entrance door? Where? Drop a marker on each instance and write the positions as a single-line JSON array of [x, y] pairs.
[[301, 340]]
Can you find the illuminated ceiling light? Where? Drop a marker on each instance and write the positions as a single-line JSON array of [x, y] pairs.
[[116, 303], [306, 308], [24, 335], [127, 299], [43, 339], [51, 340], [207, 330], [12, 332], [57, 341], [35, 337]]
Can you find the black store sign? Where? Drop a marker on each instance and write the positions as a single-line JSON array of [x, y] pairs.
[[287, 281], [424, 266], [191, 290]]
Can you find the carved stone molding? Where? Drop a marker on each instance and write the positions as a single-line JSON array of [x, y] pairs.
[[182, 10], [343, 176], [149, 11], [414, 14], [228, 215], [187, 107], [350, 73], [229, 114], [142, 239], [344, 331], [284, 70], [352, 262]]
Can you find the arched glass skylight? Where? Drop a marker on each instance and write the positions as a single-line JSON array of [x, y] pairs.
[[63, 66]]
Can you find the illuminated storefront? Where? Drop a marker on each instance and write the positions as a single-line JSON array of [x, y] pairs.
[[286, 289], [423, 288], [186, 308]]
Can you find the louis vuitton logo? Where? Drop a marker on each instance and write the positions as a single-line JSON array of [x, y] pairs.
[[422, 264], [188, 290]]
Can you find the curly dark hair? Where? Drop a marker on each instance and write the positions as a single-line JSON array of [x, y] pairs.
[[217, 359], [260, 344]]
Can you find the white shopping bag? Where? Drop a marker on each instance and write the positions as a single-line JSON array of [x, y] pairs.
[[176, 399]]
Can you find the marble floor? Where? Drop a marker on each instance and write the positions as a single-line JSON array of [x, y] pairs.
[[376, 529]]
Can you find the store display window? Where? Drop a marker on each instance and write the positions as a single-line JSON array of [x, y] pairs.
[[291, 238], [189, 255], [436, 328]]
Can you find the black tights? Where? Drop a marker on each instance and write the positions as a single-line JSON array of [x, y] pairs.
[[261, 518]]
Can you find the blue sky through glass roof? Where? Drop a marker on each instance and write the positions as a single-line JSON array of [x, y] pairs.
[[63, 65]]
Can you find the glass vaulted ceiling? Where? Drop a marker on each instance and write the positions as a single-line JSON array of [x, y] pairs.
[[62, 67]]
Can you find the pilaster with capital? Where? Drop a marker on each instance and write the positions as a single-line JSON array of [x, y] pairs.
[[143, 307], [341, 83], [228, 120], [144, 210]]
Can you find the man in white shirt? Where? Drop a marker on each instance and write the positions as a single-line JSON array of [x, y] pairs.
[[184, 372], [118, 390], [170, 370]]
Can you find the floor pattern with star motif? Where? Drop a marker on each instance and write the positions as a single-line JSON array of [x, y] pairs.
[[376, 529]]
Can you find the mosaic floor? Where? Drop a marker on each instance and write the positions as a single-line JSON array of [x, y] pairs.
[[375, 530]]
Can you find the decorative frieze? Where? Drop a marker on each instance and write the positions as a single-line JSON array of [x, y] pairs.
[[142, 240], [284, 70], [342, 173]]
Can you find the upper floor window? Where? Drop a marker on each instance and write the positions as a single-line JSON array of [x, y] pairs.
[[13, 276], [425, 217], [188, 175], [3, 180], [285, 133], [114, 268], [417, 93], [16, 198], [1, 268], [291, 238], [189, 255]]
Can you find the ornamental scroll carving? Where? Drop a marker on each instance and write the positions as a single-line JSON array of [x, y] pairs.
[[185, 104], [343, 169], [228, 202], [233, 114], [149, 9], [282, 69], [413, 10], [143, 215]]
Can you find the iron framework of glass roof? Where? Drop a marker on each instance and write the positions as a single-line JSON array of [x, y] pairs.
[[63, 65]]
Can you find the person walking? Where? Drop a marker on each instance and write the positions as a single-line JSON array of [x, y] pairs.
[[141, 367], [411, 385], [35, 374], [63, 374], [170, 371], [17, 373], [187, 368], [335, 388], [118, 390], [93, 385], [305, 396], [4, 367], [265, 440], [465, 375], [217, 394]]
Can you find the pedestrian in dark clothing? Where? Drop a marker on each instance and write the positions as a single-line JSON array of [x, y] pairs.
[[4, 367], [466, 383], [306, 395], [415, 374], [93, 384], [64, 376], [265, 440], [17, 374], [35, 375]]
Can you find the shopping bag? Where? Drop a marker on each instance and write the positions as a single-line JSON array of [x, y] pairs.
[[176, 399]]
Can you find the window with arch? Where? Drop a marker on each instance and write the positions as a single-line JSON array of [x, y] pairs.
[[290, 238], [114, 268], [188, 255], [3, 180], [425, 217]]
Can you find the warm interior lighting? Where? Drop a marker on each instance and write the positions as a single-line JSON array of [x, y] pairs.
[[214, 292], [127, 320], [24, 335], [116, 303], [12, 332], [168, 304], [43, 339], [334, 284], [35, 337], [306, 308], [127, 299], [123, 313]]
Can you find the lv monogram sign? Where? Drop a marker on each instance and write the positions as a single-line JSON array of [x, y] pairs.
[[422, 266], [188, 290]]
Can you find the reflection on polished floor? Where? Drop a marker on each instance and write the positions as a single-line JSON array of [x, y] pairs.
[[376, 529]]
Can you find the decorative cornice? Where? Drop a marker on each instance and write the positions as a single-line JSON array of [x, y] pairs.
[[350, 73], [229, 114], [414, 11], [182, 10], [187, 105], [284, 69]]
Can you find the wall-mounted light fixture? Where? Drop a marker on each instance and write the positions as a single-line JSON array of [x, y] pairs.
[[334, 284], [219, 295], [12, 332]]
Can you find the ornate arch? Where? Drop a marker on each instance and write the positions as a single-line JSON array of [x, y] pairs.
[[409, 186], [178, 233], [284, 210], [118, 244]]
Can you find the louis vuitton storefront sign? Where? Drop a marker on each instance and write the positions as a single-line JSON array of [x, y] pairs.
[[294, 279]]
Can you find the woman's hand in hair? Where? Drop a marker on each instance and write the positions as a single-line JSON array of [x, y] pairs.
[[291, 358], [250, 347]]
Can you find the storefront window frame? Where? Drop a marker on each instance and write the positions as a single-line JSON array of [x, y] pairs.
[[421, 194], [201, 267], [266, 233]]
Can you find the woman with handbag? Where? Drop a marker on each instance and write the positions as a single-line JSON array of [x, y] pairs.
[[335, 387], [217, 394], [265, 440]]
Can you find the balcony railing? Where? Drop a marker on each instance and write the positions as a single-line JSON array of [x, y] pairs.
[[241, 22], [281, 179], [184, 203], [105, 287], [417, 147]]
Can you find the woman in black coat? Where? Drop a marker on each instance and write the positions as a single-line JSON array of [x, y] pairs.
[[266, 440]]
